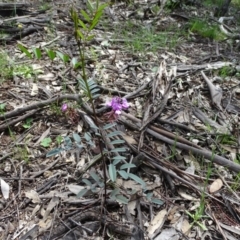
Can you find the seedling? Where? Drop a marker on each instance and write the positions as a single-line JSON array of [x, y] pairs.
[[46, 142]]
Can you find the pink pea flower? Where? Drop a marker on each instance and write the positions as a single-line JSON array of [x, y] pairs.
[[117, 104], [64, 107]]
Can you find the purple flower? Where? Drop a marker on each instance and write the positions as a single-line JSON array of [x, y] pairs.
[[64, 107], [117, 104]]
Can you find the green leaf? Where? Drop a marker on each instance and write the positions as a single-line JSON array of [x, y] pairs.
[[90, 37], [121, 199], [82, 192], [115, 192], [109, 125], [117, 158], [63, 57], [112, 172], [24, 50], [53, 152], [76, 137], [123, 173], [28, 123], [202, 226], [118, 150], [97, 179], [90, 6], [116, 161], [137, 179], [149, 196], [2, 106], [112, 134], [59, 139], [82, 24], [67, 142], [157, 201], [80, 35], [88, 136], [127, 165], [51, 54], [37, 53], [75, 63], [118, 141], [46, 142], [102, 7], [86, 181], [85, 15]]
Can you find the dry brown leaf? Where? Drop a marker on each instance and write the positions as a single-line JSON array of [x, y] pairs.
[[186, 196], [216, 185], [33, 195], [157, 223]]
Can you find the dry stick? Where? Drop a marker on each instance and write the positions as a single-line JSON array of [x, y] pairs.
[[60, 98], [205, 153], [10, 123]]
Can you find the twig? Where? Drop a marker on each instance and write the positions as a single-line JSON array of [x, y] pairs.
[[205, 153], [20, 182], [36, 174], [10, 123]]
